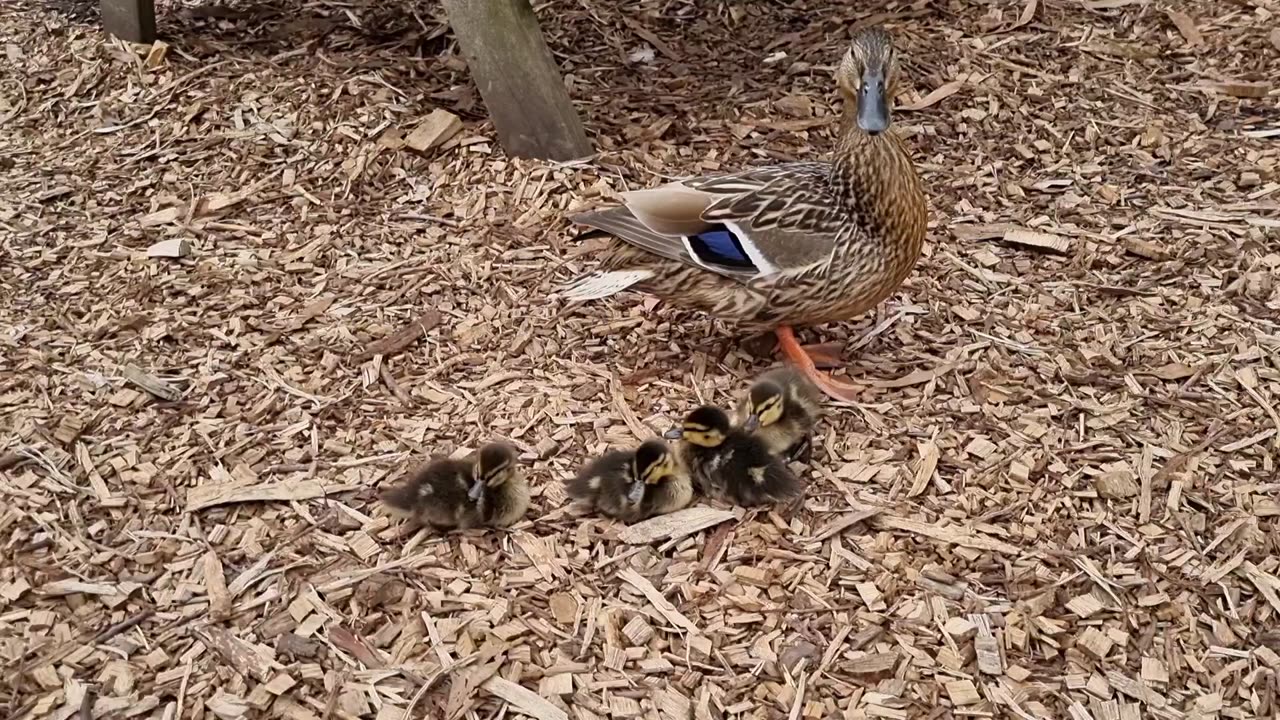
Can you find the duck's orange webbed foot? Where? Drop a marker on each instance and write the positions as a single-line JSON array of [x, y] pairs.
[[800, 357]]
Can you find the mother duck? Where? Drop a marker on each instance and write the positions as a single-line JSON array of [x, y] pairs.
[[800, 243]]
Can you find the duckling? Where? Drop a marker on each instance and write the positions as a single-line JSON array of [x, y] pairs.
[[632, 485], [781, 409], [731, 463], [484, 488], [501, 490]]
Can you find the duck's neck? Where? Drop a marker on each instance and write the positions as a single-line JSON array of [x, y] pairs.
[[874, 175]]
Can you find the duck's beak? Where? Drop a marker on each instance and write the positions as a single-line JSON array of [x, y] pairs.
[[673, 434], [752, 423], [873, 103], [635, 492], [477, 489]]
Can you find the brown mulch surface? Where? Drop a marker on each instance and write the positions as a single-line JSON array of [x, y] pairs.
[[1059, 497]]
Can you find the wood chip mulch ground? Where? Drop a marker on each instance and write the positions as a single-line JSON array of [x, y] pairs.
[[251, 274]]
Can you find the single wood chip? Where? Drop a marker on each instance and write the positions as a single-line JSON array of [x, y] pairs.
[[215, 584], [435, 130], [1250, 90], [929, 456], [974, 233], [1266, 583], [524, 700], [963, 692], [949, 534], [1186, 26], [1116, 485], [314, 309], [172, 248], [1144, 249], [938, 94], [564, 608], [151, 383], [871, 663], [227, 707], [205, 496], [673, 526], [252, 658], [156, 56], [402, 338], [916, 377], [162, 217], [844, 522], [1047, 242], [659, 602]]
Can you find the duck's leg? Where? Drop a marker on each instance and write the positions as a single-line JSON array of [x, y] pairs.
[[835, 389], [802, 451]]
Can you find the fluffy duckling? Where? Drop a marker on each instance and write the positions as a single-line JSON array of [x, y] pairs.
[[731, 463], [484, 488], [632, 485], [781, 409], [501, 490]]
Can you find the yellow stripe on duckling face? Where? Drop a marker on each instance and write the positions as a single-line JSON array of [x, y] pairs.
[[659, 471], [704, 437], [769, 411]]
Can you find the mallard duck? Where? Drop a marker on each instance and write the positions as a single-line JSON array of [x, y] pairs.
[[731, 463], [632, 485], [781, 408], [770, 248], [484, 488]]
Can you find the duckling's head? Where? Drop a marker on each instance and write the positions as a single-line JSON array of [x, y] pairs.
[[765, 405], [654, 462], [706, 426], [866, 77], [497, 464]]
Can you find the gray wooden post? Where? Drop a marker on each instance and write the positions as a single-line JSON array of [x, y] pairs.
[[132, 20], [518, 78]]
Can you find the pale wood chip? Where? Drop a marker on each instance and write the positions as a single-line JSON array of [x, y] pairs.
[[674, 526], [206, 496], [655, 598], [524, 700]]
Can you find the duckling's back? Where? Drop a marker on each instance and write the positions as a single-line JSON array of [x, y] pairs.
[[604, 483], [436, 493], [751, 475]]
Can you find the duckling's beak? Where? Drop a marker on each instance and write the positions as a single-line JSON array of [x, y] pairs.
[[477, 489], [873, 103], [752, 422], [673, 434], [635, 492]]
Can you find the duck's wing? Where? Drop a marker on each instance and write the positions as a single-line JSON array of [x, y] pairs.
[[749, 225], [599, 477]]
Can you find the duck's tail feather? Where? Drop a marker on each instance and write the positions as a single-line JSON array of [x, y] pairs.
[[621, 223], [602, 283]]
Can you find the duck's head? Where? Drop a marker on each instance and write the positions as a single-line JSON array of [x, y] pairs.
[[706, 427], [655, 462], [866, 77], [765, 405], [651, 464], [496, 465]]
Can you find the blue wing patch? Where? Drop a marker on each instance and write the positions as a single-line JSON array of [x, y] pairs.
[[721, 247]]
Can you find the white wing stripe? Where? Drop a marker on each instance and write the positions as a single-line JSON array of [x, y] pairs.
[[763, 265]]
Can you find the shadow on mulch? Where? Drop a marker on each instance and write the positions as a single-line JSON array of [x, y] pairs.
[[270, 27]]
